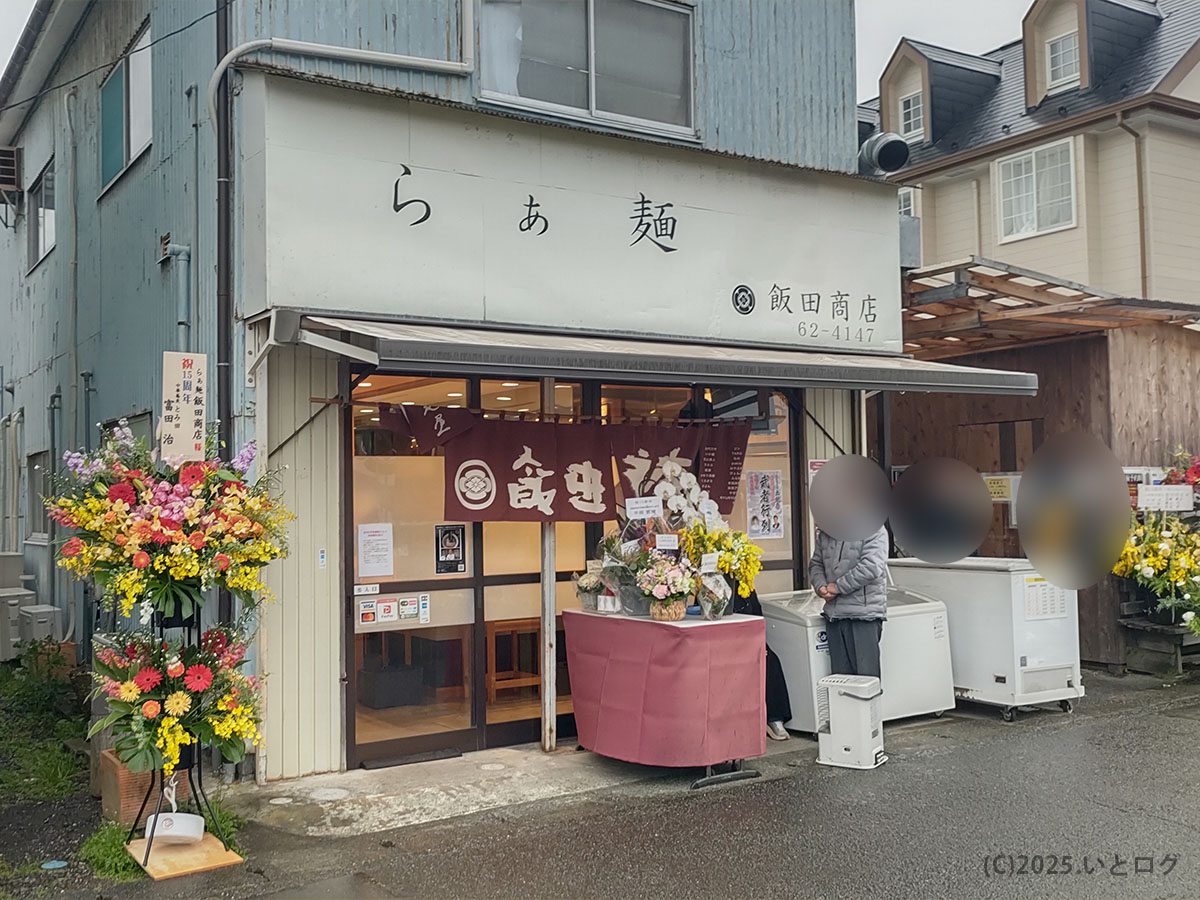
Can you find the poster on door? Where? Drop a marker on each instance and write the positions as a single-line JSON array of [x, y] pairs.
[[764, 505]]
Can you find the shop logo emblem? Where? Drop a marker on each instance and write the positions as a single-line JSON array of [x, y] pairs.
[[743, 299], [474, 484]]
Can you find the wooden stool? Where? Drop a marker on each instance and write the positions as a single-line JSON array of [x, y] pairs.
[[514, 677]]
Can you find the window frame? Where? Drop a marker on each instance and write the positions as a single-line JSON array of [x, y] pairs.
[[917, 134], [34, 221], [1062, 84], [910, 193], [592, 115], [1031, 153], [131, 156]]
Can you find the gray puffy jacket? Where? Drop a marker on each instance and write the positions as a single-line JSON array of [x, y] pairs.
[[859, 569]]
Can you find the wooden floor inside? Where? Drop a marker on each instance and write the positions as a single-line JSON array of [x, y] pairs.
[[372, 725]]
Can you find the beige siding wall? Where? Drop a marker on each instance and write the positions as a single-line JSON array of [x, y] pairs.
[[835, 410], [1117, 258], [907, 80], [960, 218], [301, 635], [1189, 87], [1173, 185]]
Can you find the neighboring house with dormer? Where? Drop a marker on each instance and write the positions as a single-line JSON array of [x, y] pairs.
[[1056, 182]]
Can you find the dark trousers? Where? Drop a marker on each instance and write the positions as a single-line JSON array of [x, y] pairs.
[[779, 707], [854, 646]]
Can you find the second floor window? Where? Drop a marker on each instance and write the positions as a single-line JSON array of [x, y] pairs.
[[39, 204], [1062, 56], [125, 110], [906, 201], [628, 62], [1036, 191], [912, 117]]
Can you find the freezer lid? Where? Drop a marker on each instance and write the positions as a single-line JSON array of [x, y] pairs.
[[905, 602], [969, 564], [791, 607]]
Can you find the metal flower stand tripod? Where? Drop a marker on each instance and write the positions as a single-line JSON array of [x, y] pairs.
[[166, 789]]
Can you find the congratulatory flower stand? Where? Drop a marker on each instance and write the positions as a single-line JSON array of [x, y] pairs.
[[155, 536]]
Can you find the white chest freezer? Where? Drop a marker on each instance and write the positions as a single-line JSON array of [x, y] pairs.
[[914, 654], [1014, 637]]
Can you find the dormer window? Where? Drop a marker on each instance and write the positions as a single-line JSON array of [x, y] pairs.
[[912, 117], [1062, 62]]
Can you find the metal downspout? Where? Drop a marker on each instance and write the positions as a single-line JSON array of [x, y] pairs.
[[220, 118], [181, 256], [73, 275], [1139, 164]]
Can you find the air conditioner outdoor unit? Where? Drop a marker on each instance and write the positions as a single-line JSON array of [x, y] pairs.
[[850, 722]]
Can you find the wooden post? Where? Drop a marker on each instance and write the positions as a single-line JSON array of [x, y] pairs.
[[549, 628]]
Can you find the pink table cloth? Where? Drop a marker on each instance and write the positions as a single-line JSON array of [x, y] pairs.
[[688, 693]]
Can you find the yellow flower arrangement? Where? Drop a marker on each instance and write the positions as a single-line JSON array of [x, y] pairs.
[[1162, 554], [171, 737], [737, 557]]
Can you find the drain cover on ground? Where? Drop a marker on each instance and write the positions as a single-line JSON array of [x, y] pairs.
[[280, 801], [493, 767], [327, 795]]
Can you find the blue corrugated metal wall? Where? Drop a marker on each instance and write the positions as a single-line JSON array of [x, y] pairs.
[[774, 78]]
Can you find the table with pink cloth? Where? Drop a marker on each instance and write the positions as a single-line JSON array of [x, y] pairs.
[[689, 693]]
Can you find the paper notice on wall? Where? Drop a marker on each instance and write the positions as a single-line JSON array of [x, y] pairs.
[[375, 550], [423, 608], [407, 608], [1000, 487], [182, 423], [387, 611], [644, 508], [764, 504], [814, 466]]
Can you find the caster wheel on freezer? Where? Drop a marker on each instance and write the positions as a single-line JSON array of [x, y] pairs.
[[1066, 706], [939, 713], [1008, 714]]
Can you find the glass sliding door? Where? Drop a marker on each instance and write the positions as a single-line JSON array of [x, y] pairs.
[[413, 610]]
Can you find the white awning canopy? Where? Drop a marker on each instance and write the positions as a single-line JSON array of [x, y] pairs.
[[454, 349]]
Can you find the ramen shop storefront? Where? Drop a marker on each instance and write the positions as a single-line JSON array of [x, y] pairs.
[[500, 271], [449, 641]]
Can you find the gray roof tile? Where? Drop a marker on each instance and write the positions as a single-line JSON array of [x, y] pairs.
[[1005, 108]]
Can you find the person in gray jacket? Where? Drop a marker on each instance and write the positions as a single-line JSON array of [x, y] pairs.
[[851, 577]]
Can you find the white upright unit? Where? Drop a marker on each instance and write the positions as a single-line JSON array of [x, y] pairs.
[[1014, 637], [851, 722], [12, 601], [914, 654]]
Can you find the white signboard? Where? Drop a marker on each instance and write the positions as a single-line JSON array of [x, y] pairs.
[[666, 542], [375, 550], [473, 218], [643, 507], [1167, 497], [184, 405]]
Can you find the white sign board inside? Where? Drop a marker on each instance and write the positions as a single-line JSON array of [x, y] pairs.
[[1166, 497], [451, 215], [184, 406]]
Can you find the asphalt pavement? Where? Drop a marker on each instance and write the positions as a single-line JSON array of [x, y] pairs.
[[1102, 802]]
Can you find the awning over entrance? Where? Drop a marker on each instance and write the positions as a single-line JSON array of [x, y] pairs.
[[455, 349]]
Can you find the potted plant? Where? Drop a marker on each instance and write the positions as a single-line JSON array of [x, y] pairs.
[[620, 562], [668, 586], [588, 587]]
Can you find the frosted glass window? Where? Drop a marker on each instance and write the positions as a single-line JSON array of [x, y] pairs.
[[628, 61]]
